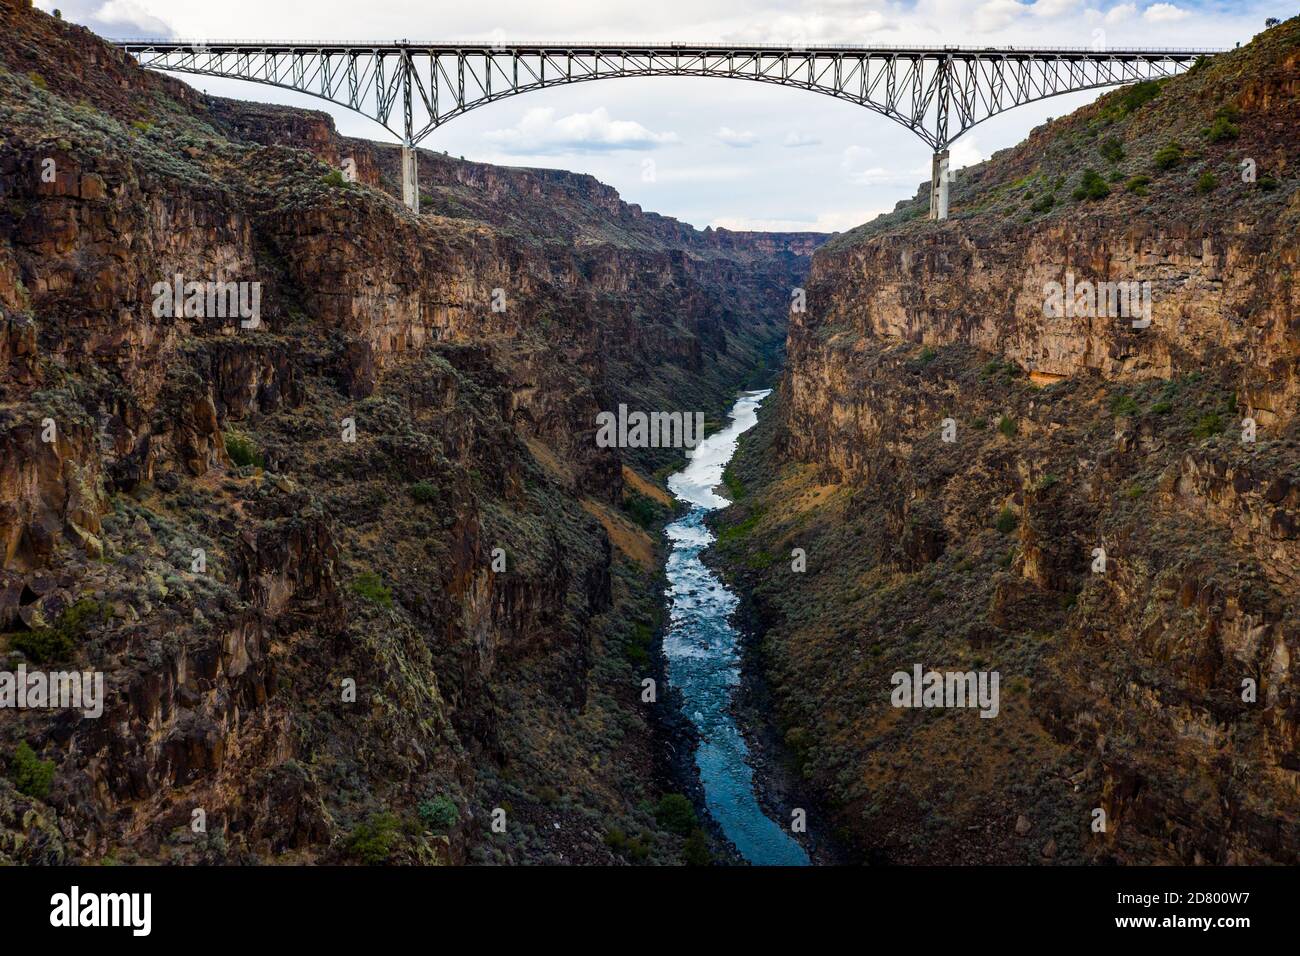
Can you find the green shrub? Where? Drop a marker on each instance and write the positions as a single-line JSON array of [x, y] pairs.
[[424, 492], [373, 840], [1123, 405], [1006, 522], [1091, 187], [47, 645], [630, 848], [1043, 203], [1208, 425], [675, 814], [927, 355], [1162, 407], [1168, 156], [37, 80], [370, 587], [638, 643], [735, 487], [696, 849], [31, 775], [439, 813], [1207, 182], [1222, 128], [1138, 185], [1268, 183], [1112, 149], [243, 451], [1138, 95], [1007, 426], [641, 509], [334, 178]]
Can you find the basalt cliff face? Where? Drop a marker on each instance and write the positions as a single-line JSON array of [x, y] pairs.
[[355, 571], [1101, 510]]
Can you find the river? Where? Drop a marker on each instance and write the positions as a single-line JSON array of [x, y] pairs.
[[703, 655]]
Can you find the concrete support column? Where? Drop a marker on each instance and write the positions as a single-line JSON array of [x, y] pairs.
[[939, 177], [410, 179]]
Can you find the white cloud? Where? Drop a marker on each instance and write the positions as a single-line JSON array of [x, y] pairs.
[[539, 132], [863, 169], [1053, 8], [795, 140], [111, 17], [1121, 13], [965, 152], [812, 29], [741, 139], [822, 222], [1163, 13], [996, 14]]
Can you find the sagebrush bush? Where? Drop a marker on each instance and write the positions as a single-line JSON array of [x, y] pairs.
[[675, 814], [1168, 156], [31, 775], [439, 813], [1092, 187], [370, 586], [243, 451], [1006, 522], [47, 645], [373, 840], [424, 492]]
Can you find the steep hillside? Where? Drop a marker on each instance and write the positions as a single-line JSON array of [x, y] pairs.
[[1155, 688], [279, 535]]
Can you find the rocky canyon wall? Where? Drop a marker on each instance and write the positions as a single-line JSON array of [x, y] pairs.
[[351, 565], [955, 456]]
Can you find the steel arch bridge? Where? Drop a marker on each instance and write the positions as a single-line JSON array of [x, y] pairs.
[[412, 88]]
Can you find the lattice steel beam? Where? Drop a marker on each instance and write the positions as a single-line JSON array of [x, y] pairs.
[[937, 93]]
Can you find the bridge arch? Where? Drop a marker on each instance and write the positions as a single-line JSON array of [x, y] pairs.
[[938, 93]]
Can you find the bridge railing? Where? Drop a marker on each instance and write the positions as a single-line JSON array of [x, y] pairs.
[[561, 45]]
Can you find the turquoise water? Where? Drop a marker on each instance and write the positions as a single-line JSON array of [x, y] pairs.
[[703, 657]]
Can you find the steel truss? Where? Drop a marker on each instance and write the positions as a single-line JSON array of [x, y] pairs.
[[413, 88]]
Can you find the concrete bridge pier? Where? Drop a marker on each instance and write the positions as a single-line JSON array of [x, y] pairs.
[[410, 178], [939, 179]]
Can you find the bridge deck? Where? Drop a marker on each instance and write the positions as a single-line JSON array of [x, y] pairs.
[[587, 48]]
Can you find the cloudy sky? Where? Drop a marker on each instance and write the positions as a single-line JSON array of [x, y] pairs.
[[709, 151]]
